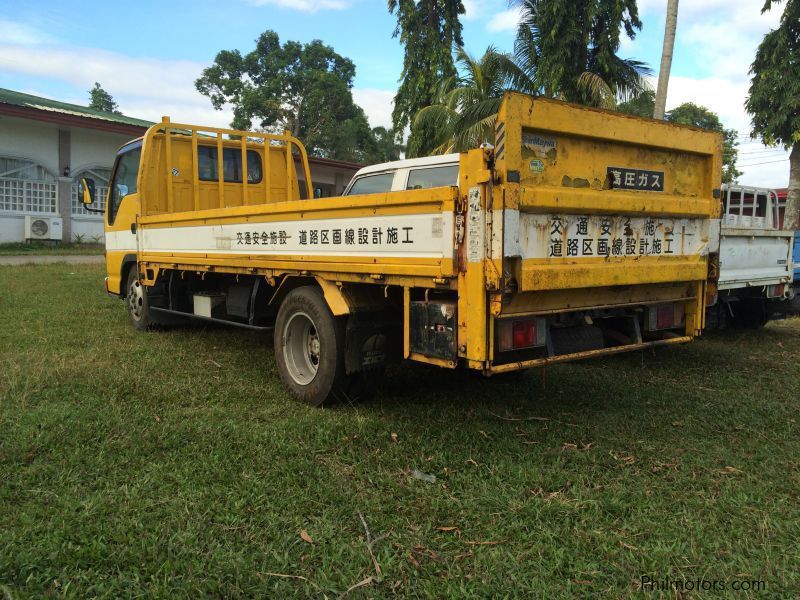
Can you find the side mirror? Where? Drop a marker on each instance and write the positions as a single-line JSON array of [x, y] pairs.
[[87, 191]]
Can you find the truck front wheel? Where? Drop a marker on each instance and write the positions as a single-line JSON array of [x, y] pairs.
[[136, 300], [310, 349]]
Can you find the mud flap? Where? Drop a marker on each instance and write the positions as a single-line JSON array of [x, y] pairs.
[[371, 341]]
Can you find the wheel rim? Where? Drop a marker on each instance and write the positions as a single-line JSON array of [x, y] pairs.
[[136, 300], [301, 348]]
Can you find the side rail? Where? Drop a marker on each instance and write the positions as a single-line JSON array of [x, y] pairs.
[[225, 139], [748, 207]]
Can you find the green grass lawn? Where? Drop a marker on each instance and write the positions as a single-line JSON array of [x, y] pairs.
[[173, 465], [35, 248]]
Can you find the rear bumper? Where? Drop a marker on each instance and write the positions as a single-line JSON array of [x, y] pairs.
[[538, 362]]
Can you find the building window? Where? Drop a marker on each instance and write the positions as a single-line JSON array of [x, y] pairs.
[[101, 177], [26, 187]]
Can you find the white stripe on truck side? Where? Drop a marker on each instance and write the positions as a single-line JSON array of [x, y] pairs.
[[120, 241], [543, 236], [396, 236]]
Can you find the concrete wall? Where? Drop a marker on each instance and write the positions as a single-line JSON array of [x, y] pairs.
[[90, 228], [36, 141], [91, 148], [330, 179], [55, 148], [12, 227]]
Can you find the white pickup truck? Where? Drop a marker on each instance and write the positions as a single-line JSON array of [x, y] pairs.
[[756, 268]]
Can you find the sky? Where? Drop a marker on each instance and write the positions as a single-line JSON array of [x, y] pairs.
[[147, 54]]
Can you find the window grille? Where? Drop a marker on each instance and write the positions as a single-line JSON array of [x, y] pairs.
[[26, 187]]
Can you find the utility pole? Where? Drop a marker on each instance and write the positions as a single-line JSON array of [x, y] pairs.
[[666, 59]]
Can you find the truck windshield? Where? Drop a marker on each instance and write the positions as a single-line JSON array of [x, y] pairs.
[[126, 172]]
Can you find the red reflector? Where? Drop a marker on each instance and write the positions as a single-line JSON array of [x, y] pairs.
[[524, 334], [665, 317], [775, 291]]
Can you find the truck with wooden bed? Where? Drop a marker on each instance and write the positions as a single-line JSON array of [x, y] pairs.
[[579, 233]]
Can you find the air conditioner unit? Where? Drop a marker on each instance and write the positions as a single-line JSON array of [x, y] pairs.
[[43, 228]]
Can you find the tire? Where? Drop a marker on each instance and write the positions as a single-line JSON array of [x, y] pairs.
[[750, 314], [310, 349], [136, 301]]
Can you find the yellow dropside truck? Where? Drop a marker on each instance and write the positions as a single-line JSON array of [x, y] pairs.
[[580, 233]]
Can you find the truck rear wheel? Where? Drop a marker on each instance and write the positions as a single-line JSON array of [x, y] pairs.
[[750, 314], [310, 349]]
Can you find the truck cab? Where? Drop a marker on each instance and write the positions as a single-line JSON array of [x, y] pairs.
[[410, 174]]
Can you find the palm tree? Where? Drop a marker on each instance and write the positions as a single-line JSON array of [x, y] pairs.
[[571, 47], [666, 59], [466, 106]]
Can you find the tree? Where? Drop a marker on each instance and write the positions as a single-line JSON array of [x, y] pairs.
[[774, 96], [102, 100], [305, 89], [428, 31], [640, 106], [386, 147], [696, 116], [666, 59], [570, 49], [465, 112]]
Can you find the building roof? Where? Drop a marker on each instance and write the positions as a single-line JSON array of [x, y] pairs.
[[336, 164], [37, 102], [22, 105]]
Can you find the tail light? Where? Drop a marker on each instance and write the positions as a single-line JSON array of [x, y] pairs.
[[776, 291], [664, 316], [712, 294], [518, 334]]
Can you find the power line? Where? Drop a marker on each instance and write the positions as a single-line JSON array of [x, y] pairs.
[[771, 162], [751, 141], [775, 152], [764, 149]]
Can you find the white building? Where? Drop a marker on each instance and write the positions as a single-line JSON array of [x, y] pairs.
[[46, 146]]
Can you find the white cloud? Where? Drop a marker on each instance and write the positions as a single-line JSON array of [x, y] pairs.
[[304, 5], [12, 32], [506, 20], [146, 88], [719, 37], [709, 9], [495, 15], [726, 98], [475, 9], [378, 105]]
